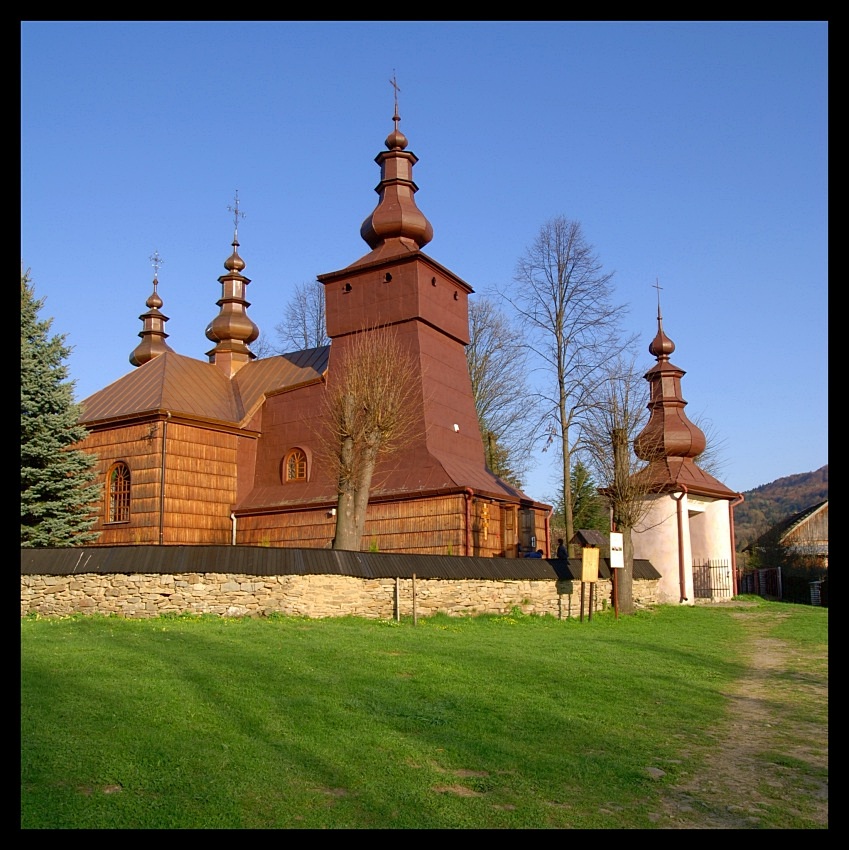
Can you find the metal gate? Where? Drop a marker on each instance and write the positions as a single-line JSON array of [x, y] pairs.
[[712, 580]]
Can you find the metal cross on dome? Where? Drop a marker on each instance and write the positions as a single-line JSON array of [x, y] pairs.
[[157, 262], [394, 84], [237, 214], [658, 287]]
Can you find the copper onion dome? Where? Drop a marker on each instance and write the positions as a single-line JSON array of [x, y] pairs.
[[668, 433], [152, 334], [396, 215]]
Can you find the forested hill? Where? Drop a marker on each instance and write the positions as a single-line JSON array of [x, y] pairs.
[[769, 504]]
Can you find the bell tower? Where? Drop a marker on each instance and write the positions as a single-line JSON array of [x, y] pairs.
[[397, 285]]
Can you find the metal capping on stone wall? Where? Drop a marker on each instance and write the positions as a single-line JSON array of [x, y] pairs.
[[266, 561]]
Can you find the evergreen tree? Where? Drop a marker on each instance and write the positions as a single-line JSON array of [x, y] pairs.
[[498, 458], [588, 507], [57, 489]]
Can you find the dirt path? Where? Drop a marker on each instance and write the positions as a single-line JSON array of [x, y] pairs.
[[772, 752]]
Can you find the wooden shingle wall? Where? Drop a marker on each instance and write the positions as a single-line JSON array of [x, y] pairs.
[[426, 526], [140, 447], [200, 483]]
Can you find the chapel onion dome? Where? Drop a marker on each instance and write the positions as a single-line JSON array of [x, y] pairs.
[[668, 433], [396, 141], [661, 346], [396, 215]]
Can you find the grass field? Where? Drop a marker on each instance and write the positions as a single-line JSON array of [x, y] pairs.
[[509, 722]]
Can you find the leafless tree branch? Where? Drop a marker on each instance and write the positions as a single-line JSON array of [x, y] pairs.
[[370, 411]]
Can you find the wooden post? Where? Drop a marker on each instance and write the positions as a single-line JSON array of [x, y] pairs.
[[615, 594], [414, 599], [582, 602], [592, 599], [397, 600]]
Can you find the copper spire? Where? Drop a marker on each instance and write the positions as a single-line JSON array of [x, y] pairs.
[[396, 216], [152, 334], [668, 433], [232, 329]]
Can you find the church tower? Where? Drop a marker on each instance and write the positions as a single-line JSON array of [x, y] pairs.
[[397, 285]]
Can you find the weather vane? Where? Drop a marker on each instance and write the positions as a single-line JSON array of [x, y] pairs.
[[237, 214]]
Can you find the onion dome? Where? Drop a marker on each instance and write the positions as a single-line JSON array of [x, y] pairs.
[[152, 334], [396, 216], [668, 433], [232, 329]]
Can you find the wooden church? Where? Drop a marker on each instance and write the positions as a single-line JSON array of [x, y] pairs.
[[224, 451]]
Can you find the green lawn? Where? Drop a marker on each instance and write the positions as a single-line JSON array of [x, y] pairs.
[[486, 722]]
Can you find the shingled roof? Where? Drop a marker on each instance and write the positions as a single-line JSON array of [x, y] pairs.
[[780, 531], [188, 387]]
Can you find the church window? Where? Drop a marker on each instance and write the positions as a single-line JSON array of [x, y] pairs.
[[118, 486], [295, 466]]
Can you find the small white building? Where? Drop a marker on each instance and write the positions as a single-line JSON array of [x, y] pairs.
[[687, 530]]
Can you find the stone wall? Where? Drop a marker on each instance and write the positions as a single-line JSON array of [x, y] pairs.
[[231, 595]]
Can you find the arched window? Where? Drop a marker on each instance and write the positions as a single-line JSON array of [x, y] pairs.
[[118, 493], [295, 466]]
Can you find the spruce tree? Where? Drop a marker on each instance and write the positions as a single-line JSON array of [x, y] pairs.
[[57, 489], [588, 508]]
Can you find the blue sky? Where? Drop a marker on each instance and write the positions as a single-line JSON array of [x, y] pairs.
[[694, 154]]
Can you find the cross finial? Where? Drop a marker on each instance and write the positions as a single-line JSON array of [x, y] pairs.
[[157, 262], [237, 214], [658, 287], [395, 117]]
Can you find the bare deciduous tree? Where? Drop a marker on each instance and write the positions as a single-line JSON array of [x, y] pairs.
[[304, 325], [369, 413], [712, 460], [262, 347], [564, 300], [496, 354], [608, 430]]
